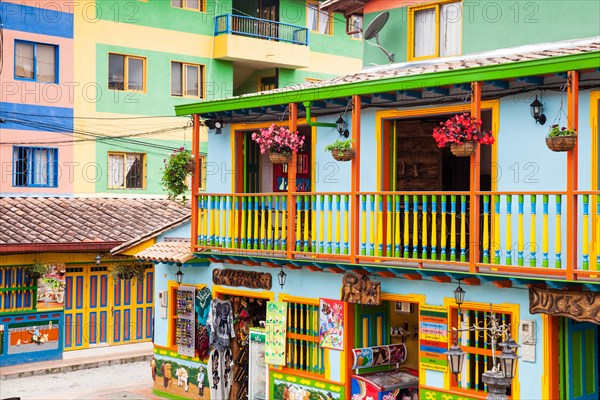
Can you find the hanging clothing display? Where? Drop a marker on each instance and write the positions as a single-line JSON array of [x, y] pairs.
[[203, 298], [220, 366], [220, 324]]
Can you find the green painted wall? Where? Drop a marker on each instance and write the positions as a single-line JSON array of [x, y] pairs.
[[490, 25], [160, 14], [154, 161], [157, 99], [287, 77]]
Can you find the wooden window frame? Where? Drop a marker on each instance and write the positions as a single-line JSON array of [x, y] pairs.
[[329, 19], [124, 154], [126, 58], [411, 28], [201, 76], [201, 6]]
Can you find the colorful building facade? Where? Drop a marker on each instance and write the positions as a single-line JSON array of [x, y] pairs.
[[361, 258]]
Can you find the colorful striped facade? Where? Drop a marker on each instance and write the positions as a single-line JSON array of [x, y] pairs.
[[513, 222]]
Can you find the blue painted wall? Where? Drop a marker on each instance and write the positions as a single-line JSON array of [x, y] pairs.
[[56, 20]]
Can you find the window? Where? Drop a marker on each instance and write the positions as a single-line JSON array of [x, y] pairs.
[[126, 72], [126, 170], [477, 345], [435, 30], [354, 26], [318, 20], [35, 166], [268, 83], [188, 4], [186, 79], [303, 352], [36, 62]]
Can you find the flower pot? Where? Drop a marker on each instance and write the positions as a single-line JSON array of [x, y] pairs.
[[464, 149], [280, 158], [561, 143], [190, 166], [345, 155]]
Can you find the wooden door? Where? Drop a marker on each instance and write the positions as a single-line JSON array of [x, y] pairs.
[[580, 371]]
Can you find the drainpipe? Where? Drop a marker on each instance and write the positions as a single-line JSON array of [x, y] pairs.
[[307, 105]]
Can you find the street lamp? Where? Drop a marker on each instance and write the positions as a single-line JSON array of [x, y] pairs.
[[179, 276], [500, 377]]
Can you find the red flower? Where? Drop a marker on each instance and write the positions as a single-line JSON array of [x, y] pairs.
[[459, 129]]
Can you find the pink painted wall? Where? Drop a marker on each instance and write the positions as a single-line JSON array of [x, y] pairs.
[[382, 5], [66, 167], [42, 94]]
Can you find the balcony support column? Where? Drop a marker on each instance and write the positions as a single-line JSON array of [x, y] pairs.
[[475, 184], [291, 203], [572, 171], [355, 183], [195, 181]]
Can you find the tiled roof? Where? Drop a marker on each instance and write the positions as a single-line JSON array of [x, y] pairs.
[[167, 252], [52, 220], [496, 57]]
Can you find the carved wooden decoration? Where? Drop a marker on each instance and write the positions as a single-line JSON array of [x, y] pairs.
[[249, 279], [360, 289], [578, 305]]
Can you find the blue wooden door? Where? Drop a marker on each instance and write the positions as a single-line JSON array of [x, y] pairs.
[[582, 360]]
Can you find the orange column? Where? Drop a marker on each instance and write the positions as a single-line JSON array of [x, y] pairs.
[[355, 184], [573, 123], [551, 355], [291, 206], [195, 182], [475, 176]]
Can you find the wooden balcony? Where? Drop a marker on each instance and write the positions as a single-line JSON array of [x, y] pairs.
[[549, 234]]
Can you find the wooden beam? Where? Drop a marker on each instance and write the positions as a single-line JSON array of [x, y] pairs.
[[271, 264], [502, 284], [413, 277], [540, 285], [292, 266], [442, 278], [386, 274], [313, 268], [251, 263], [471, 281], [336, 270]]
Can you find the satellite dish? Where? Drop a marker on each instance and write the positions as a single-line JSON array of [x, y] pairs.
[[373, 29]]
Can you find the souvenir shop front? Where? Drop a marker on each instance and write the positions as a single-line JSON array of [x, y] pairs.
[[236, 331]]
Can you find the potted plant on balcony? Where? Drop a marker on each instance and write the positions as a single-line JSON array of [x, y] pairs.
[[462, 133], [341, 150], [560, 138], [279, 142], [36, 271], [177, 168], [128, 270]]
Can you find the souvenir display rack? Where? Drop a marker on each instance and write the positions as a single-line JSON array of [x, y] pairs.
[[186, 321]]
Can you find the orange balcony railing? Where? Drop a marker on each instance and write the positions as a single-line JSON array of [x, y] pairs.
[[524, 231]]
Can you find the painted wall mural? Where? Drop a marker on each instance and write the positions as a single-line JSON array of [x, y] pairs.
[[289, 387], [179, 376], [276, 328], [29, 337], [51, 287], [331, 324]]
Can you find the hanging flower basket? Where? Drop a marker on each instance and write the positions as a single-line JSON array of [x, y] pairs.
[[561, 138], [280, 158], [190, 166], [465, 149], [462, 133], [279, 142], [343, 155]]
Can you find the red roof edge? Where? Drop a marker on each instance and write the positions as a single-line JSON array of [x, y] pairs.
[[40, 247]]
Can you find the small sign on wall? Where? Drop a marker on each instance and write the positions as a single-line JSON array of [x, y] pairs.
[[331, 324]]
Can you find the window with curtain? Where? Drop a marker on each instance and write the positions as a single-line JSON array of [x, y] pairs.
[[318, 20], [303, 351], [35, 167], [36, 61], [355, 25], [126, 72], [186, 79], [436, 30], [188, 4], [126, 170]]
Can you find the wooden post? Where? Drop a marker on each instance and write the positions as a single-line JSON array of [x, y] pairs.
[[291, 206], [475, 184], [572, 166], [195, 181], [355, 184]]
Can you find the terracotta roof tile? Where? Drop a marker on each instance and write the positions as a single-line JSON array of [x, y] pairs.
[[168, 252], [52, 220]]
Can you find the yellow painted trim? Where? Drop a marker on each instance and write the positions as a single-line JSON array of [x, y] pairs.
[[411, 29], [171, 307], [594, 109], [493, 105], [131, 251], [546, 357], [298, 299], [201, 79], [419, 299], [126, 58], [124, 154], [217, 289], [513, 309]]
